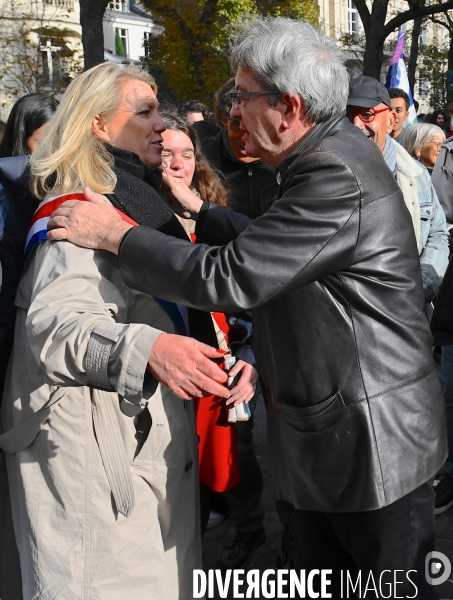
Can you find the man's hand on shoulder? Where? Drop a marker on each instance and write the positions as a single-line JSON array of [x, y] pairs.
[[186, 367], [93, 224]]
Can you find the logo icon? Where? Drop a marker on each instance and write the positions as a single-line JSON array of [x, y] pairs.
[[437, 568]]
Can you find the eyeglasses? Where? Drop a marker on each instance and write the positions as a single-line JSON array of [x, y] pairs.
[[236, 97], [366, 115], [438, 145]]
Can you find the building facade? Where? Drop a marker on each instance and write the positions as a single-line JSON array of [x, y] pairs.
[[41, 43], [40, 46], [127, 28]]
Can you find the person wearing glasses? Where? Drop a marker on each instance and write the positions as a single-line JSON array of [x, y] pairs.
[[248, 177], [370, 109], [332, 275], [424, 143]]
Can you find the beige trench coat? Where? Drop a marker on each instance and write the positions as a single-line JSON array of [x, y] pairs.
[[93, 519]]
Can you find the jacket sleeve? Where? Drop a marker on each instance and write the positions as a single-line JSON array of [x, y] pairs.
[[76, 321], [442, 179], [217, 225], [309, 232], [434, 256], [241, 337]]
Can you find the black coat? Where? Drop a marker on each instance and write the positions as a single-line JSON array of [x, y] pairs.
[[356, 413], [19, 206], [251, 185]]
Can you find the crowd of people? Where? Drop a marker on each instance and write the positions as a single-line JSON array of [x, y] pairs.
[[164, 270]]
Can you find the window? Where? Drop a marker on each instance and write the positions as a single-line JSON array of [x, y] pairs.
[[68, 4], [53, 66], [423, 88], [423, 37], [146, 43], [121, 45], [353, 19], [119, 5]]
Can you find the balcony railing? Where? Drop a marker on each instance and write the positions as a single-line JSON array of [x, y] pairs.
[[68, 4], [121, 5]]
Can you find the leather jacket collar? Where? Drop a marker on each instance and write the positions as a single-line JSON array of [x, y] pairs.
[[314, 137]]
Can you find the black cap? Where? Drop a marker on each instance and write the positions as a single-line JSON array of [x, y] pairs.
[[368, 93]]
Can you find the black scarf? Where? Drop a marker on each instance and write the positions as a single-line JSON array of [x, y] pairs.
[[136, 194]]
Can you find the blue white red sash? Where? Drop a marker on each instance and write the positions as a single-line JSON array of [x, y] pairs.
[[37, 233], [38, 226]]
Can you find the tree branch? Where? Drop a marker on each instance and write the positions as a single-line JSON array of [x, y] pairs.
[[364, 13], [411, 14], [433, 20], [209, 12]]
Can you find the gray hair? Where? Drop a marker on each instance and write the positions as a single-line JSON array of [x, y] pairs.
[[292, 56], [417, 136]]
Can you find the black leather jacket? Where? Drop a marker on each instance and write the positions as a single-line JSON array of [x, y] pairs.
[[356, 414]]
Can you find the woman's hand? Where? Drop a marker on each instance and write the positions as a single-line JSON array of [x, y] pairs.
[[244, 388], [179, 197]]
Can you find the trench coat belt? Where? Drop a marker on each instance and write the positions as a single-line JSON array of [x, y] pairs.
[[111, 447], [108, 434]]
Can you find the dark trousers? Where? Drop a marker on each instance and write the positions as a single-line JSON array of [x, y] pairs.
[[396, 538], [245, 498]]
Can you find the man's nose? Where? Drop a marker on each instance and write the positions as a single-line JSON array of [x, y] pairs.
[[357, 122], [235, 112]]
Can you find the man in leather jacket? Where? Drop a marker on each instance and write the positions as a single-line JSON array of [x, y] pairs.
[[250, 180], [331, 271]]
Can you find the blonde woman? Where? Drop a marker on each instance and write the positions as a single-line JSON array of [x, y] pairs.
[[102, 458]]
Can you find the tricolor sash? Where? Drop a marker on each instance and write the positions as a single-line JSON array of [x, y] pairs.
[[37, 233]]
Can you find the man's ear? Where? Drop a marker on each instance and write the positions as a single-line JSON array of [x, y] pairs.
[[391, 121], [99, 128], [293, 110]]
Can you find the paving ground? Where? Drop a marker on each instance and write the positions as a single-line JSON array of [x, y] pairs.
[[266, 556]]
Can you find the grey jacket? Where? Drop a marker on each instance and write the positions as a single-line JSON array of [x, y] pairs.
[[332, 272], [428, 219], [442, 178]]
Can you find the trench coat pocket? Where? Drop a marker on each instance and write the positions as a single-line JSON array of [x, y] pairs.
[[152, 446], [24, 433]]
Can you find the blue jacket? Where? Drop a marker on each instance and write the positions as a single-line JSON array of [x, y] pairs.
[[428, 219]]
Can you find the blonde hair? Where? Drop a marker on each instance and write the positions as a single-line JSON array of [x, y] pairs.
[[71, 155]]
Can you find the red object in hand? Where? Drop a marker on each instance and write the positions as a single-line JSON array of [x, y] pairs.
[[217, 448]]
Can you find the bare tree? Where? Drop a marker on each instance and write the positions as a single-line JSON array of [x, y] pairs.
[[91, 15], [413, 55], [446, 21], [377, 29]]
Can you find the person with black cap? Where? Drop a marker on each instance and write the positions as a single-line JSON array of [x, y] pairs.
[[370, 109]]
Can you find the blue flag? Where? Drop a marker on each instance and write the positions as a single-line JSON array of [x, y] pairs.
[[397, 78]]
